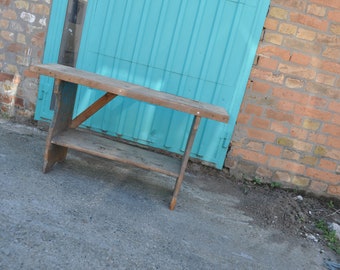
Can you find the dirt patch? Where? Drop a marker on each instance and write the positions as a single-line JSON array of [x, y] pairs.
[[293, 212]]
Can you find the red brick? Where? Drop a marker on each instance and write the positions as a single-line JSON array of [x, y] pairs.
[[325, 39], [298, 133], [284, 105], [300, 58], [317, 102], [306, 34], [6, 76], [309, 160], [264, 172], [261, 135], [243, 118], [309, 21], [16, 48], [19, 102], [294, 83], [325, 79], [334, 190], [273, 38], [316, 10], [5, 2], [335, 29], [318, 187], [286, 165], [271, 50], [290, 154], [260, 123], [331, 66], [279, 128], [271, 24], [6, 98], [300, 145], [39, 9], [278, 13], [9, 36], [322, 90], [287, 28], [328, 3], [272, 150], [336, 119], [311, 112], [30, 74], [296, 4], [333, 154], [328, 177], [332, 53], [334, 15], [297, 120], [38, 39], [334, 106], [291, 95], [261, 87], [279, 116], [9, 14], [254, 109], [299, 71], [281, 177], [331, 129], [255, 146], [317, 138], [333, 142], [4, 24], [250, 155], [267, 75], [268, 63], [327, 165], [302, 45]]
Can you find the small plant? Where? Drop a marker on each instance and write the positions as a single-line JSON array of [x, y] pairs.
[[257, 181], [329, 235], [331, 204], [275, 185]]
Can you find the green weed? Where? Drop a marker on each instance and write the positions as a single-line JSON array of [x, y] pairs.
[[275, 185], [329, 235]]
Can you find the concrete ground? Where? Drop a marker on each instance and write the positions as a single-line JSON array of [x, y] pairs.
[[89, 213]]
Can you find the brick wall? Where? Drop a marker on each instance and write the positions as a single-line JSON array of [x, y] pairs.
[[23, 26], [288, 129]]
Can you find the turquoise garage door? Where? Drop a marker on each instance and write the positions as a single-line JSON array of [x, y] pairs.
[[202, 50]]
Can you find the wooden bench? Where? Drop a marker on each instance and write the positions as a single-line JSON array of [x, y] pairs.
[[63, 132]]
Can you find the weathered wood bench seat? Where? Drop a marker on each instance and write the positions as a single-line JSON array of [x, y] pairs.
[[63, 132]]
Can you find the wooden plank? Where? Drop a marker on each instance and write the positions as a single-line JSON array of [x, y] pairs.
[[113, 150], [65, 93], [121, 88], [194, 127], [96, 106]]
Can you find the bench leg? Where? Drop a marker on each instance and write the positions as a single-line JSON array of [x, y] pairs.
[[190, 142], [65, 94]]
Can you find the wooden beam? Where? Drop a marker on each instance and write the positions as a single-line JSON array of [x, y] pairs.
[[95, 107]]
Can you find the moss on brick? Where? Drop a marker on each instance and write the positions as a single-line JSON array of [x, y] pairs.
[[301, 181], [309, 160], [320, 151], [285, 142], [311, 124]]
